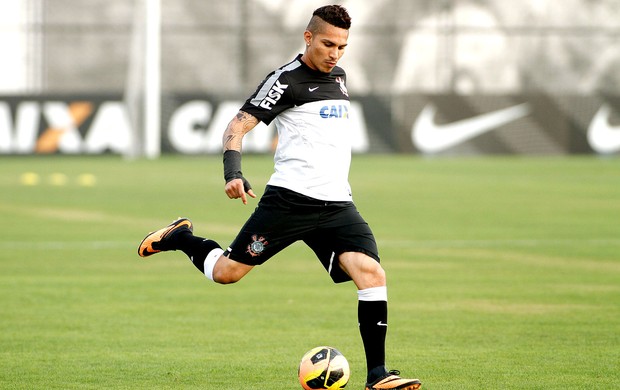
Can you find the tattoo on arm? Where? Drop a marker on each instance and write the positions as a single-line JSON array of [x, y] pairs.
[[239, 126]]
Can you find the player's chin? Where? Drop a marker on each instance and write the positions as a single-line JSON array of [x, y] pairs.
[[327, 68]]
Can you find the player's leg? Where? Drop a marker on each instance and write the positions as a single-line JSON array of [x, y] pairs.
[[206, 255], [209, 258], [372, 309], [345, 239], [276, 223], [369, 277]]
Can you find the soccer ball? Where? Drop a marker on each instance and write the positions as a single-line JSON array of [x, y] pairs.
[[324, 368]]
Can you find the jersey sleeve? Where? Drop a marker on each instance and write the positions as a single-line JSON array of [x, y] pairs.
[[272, 96]]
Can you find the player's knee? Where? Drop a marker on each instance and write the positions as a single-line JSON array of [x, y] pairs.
[[378, 274], [372, 273], [224, 280], [225, 276], [365, 271], [228, 271]]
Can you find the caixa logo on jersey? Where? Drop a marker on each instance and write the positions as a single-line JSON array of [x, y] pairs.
[[334, 111], [274, 94]]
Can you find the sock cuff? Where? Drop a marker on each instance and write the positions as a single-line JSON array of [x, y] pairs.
[[373, 294], [210, 261]]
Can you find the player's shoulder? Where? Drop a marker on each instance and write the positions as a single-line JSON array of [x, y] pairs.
[[281, 75], [292, 67]]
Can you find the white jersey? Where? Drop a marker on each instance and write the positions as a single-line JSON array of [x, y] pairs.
[[311, 113]]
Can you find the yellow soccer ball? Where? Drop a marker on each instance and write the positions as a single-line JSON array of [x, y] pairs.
[[324, 368]]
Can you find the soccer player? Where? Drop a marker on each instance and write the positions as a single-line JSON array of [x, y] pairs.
[[308, 196]]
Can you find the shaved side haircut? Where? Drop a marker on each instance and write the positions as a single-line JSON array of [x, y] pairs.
[[335, 15]]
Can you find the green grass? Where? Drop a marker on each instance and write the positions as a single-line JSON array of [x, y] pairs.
[[504, 273]]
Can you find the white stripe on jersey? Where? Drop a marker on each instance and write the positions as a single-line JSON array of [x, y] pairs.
[[271, 81]]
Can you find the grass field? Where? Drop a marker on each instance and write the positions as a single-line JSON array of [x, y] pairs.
[[504, 273]]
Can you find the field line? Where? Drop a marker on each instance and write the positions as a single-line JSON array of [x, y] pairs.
[[498, 243], [65, 245]]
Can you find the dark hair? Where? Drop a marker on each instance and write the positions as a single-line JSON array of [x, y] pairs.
[[336, 15]]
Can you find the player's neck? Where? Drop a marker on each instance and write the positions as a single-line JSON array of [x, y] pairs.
[[307, 62]]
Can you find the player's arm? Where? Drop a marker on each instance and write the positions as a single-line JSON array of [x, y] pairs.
[[236, 185]]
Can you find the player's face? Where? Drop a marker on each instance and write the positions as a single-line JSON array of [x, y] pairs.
[[325, 48]]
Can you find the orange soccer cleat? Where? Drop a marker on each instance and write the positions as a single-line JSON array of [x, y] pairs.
[[157, 241]]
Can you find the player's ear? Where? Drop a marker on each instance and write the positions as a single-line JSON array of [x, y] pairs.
[[307, 37]]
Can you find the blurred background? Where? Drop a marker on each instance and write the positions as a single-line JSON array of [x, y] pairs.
[[409, 63]]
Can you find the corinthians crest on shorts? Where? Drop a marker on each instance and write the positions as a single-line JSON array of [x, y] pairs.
[[257, 246]]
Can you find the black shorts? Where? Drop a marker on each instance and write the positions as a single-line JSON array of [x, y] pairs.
[[283, 217]]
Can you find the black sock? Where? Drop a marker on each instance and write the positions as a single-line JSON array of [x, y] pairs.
[[372, 317], [196, 248]]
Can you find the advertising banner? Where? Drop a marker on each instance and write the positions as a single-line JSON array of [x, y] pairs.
[[534, 124], [63, 125], [507, 124]]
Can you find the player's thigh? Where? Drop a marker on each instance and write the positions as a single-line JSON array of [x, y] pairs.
[[341, 231]]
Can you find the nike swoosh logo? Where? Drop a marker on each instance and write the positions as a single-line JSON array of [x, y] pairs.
[[603, 137], [430, 137], [313, 89], [381, 323], [147, 252]]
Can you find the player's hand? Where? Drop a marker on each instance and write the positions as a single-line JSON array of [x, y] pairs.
[[238, 188]]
